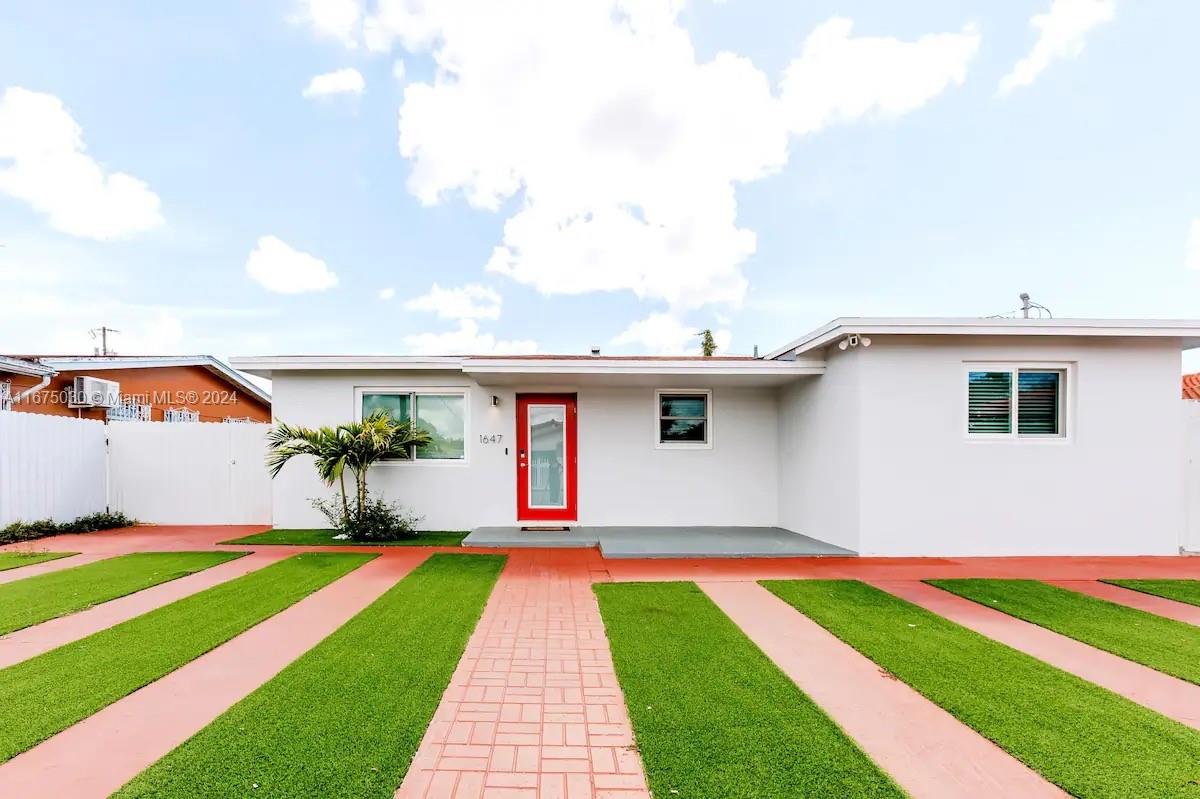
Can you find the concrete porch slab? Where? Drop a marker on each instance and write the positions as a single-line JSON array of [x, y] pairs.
[[664, 542]]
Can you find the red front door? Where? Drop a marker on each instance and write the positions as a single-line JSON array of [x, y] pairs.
[[547, 458]]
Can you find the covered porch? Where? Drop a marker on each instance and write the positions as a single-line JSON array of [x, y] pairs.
[[663, 542]]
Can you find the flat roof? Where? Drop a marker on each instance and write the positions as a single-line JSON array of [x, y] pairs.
[[501, 369], [492, 366], [1188, 330]]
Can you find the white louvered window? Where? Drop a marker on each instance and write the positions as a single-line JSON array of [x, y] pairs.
[[1016, 402], [5, 396]]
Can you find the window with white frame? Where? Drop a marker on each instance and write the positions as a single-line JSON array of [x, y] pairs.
[[440, 414], [684, 419], [1016, 401]]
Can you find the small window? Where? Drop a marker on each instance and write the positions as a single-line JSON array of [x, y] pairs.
[[1028, 401], [441, 416], [684, 419]]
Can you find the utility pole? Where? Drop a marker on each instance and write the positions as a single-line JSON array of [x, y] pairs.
[[102, 333]]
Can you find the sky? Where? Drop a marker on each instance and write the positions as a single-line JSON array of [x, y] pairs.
[[466, 176]]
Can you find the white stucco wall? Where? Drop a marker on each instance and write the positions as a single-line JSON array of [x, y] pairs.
[[819, 453], [1114, 486], [623, 478]]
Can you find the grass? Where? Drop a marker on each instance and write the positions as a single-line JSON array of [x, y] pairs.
[[1164, 644], [325, 538], [34, 600], [48, 693], [1089, 741], [713, 716], [345, 718], [1187, 591], [15, 560]]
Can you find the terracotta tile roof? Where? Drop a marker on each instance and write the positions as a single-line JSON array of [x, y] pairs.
[[1191, 386]]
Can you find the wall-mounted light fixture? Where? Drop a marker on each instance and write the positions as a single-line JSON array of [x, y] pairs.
[[495, 401], [853, 340]]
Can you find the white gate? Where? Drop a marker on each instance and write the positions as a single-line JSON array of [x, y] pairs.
[[51, 467], [189, 472]]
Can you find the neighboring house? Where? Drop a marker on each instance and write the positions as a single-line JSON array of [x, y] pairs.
[[883, 436], [1191, 386], [149, 388]]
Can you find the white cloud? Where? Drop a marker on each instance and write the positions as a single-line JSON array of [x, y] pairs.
[[1061, 34], [278, 267], [48, 168], [471, 301], [838, 78], [338, 19], [1192, 259], [387, 293], [665, 333], [398, 70], [625, 149], [466, 340], [342, 81]]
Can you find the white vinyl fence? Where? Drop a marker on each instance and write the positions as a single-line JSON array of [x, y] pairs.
[[51, 467], [189, 472], [161, 473]]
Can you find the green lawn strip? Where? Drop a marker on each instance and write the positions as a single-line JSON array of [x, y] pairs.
[[15, 560], [1164, 644], [438, 538], [34, 600], [345, 719], [713, 716], [1187, 591], [46, 694], [1089, 741]]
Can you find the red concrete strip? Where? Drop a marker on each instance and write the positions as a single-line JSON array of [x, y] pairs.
[[534, 708], [1170, 696], [145, 538], [21, 572], [103, 752], [927, 751], [850, 568], [31, 641], [1160, 606]]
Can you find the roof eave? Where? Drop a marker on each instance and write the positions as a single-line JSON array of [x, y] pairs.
[[1188, 331]]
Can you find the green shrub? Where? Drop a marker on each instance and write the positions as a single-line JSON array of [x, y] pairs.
[[374, 520], [30, 531]]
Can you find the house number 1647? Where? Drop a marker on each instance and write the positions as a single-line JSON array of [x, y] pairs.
[[490, 438]]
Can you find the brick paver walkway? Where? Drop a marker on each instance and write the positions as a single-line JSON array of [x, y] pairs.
[[534, 709]]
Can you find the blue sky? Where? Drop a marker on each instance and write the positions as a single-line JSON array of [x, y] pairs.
[[753, 167]]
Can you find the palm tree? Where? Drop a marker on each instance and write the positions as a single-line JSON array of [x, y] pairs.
[[356, 446]]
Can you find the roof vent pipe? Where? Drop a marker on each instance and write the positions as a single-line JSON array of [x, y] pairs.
[[595, 350]]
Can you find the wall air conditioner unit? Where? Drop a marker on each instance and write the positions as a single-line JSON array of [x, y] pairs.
[[92, 392]]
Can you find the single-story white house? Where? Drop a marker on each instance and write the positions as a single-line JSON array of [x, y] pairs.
[[881, 436]]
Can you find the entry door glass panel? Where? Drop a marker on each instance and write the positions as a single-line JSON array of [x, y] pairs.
[[547, 456]]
